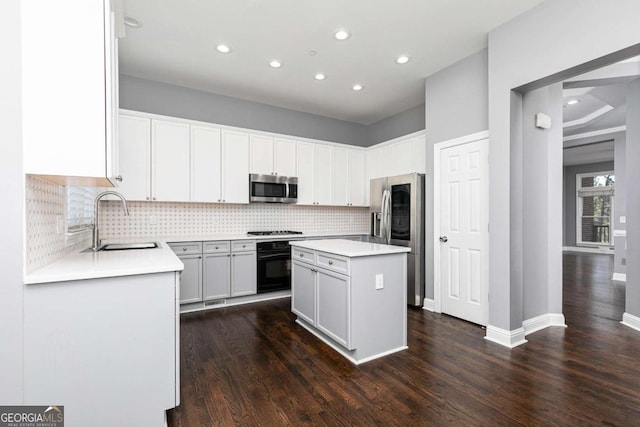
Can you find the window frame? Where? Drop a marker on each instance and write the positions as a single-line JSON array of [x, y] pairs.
[[579, 208]]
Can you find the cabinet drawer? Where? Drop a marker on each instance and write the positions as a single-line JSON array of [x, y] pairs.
[[303, 255], [184, 248], [217, 247], [243, 245], [333, 263]]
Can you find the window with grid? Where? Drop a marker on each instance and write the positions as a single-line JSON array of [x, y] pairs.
[[595, 208], [79, 208]]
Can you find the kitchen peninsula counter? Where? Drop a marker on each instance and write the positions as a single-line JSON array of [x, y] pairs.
[[351, 295]]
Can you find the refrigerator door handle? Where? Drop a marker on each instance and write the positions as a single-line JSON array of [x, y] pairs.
[[386, 214]]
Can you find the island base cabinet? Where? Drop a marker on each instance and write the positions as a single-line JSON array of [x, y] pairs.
[[107, 349], [303, 296], [334, 306]]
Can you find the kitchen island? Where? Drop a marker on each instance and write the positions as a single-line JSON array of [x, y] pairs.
[[351, 295]]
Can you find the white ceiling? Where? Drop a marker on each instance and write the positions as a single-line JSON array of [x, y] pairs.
[[176, 44]]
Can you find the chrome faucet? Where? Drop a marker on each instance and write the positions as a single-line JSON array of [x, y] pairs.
[[96, 236]]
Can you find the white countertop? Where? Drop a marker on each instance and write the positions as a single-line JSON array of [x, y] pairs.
[[94, 265], [349, 248]]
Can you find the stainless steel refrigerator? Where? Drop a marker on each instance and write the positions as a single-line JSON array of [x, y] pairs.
[[397, 218]]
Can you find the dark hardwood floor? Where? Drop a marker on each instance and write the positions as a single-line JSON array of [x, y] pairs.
[[252, 365]]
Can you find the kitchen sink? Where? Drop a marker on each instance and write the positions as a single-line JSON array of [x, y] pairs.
[[125, 246]]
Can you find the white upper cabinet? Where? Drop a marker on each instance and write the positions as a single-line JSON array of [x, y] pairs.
[[135, 157], [340, 176], [358, 184], [285, 157], [261, 149], [170, 161], [235, 167], [402, 157], [69, 51], [323, 174], [272, 156], [206, 164], [306, 173], [421, 154], [398, 158]]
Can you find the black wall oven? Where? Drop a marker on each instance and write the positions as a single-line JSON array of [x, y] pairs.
[[274, 266]]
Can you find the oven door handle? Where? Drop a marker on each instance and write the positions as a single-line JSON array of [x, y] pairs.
[[285, 256]]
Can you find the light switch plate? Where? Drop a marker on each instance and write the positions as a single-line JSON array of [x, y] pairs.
[[623, 220], [379, 281]]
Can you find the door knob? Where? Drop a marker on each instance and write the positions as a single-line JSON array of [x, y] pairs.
[[444, 239], [119, 178]]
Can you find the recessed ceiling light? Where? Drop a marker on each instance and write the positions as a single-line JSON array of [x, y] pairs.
[[223, 48], [319, 76], [357, 87], [132, 22], [573, 101], [275, 64], [341, 34], [403, 59]]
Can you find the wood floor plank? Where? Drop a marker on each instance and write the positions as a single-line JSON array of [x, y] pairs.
[[254, 366]]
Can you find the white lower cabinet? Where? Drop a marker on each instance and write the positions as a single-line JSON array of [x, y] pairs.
[[322, 297], [217, 269]]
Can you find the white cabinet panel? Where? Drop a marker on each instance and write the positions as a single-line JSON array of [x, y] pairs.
[[306, 173], [323, 174], [357, 179], [191, 279], [235, 167], [402, 157], [216, 276], [340, 165], [261, 152], [285, 157], [243, 274], [171, 162], [67, 84], [206, 164], [303, 294], [334, 303], [135, 157], [421, 154]]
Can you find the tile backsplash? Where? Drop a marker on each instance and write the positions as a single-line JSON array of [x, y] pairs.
[[44, 205], [191, 219]]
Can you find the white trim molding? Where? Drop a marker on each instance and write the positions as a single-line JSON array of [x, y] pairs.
[[505, 338], [619, 277], [595, 133], [631, 321], [605, 249], [429, 305], [588, 117], [543, 321]]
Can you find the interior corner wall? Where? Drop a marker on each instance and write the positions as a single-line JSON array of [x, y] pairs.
[[536, 46], [12, 225], [633, 199], [569, 179], [541, 197], [176, 101], [455, 106], [404, 123]]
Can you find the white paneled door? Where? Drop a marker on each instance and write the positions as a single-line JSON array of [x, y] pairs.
[[464, 231]]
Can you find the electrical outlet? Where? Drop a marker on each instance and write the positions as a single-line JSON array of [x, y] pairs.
[[59, 224], [152, 220], [379, 281], [623, 261]]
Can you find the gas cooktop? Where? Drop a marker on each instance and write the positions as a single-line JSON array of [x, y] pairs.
[[273, 233]]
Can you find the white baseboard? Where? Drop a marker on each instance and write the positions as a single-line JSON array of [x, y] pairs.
[[591, 250], [631, 321], [619, 277], [429, 305], [543, 321], [505, 338]]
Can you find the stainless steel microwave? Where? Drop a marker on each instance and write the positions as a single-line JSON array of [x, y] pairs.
[[273, 188]]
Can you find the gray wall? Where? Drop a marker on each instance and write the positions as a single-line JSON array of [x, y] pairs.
[[620, 204], [570, 173], [455, 106], [161, 98], [11, 226], [538, 48], [407, 122], [541, 198], [633, 199]]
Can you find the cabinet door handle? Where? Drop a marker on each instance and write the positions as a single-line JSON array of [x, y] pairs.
[[147, 198], [216, 247], [184, 249], [301, 255], [244, 246], [330, 262]]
